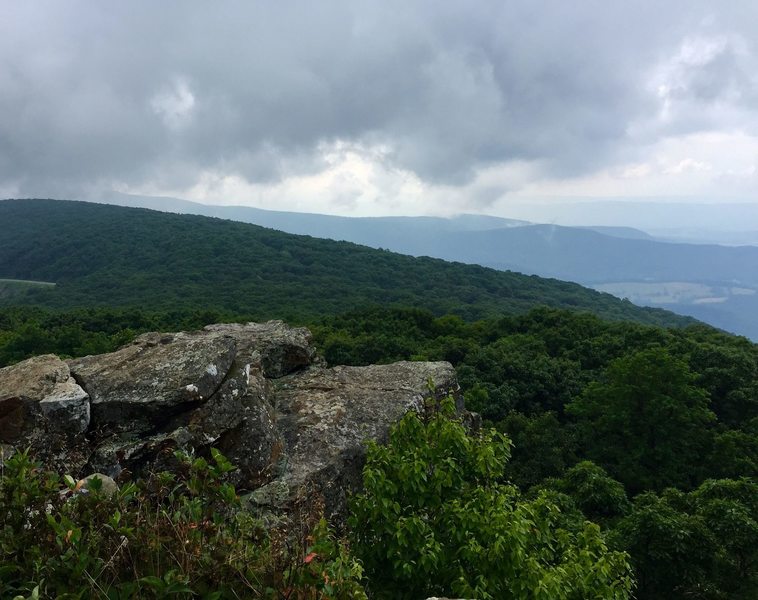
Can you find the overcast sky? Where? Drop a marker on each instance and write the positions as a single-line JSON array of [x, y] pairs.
[[382, 107]]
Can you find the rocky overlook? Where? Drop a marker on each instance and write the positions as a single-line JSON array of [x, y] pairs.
[[257, 392]]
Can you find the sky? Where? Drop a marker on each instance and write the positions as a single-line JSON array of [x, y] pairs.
[[382, 107]]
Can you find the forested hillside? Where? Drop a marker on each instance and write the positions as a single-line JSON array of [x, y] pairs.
[[652, 433], [649, 432], [112, 256], [720, 280]]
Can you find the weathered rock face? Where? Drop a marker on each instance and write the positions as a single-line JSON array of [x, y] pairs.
[[43, 408], [256, 391], [324, 416], [156, 376]]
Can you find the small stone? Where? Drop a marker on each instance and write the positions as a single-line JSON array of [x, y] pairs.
[[108, 487], [6, 451], [272, 495]]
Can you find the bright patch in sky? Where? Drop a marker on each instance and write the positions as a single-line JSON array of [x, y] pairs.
[[379, 108], [174, 104]]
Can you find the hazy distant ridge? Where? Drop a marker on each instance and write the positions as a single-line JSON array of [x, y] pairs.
[[590, 255]]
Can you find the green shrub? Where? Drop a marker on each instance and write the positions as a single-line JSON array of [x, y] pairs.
[[182, 535], [436, 520]]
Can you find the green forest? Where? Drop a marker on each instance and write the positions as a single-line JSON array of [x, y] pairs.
[[618, 453], [100, 255]]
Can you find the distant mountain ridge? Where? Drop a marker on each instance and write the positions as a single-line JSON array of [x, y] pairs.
[[592, 255], [99, 255], [351, 229], [651, 214]]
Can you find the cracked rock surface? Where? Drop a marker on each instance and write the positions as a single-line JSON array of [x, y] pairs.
[[256, 391], [44, 409]]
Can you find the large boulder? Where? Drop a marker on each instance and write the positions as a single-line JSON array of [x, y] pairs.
[[154, 378], [277, 348], [325, 417], [43, 408], [294, 428]]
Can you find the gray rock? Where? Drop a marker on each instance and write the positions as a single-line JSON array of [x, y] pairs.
[[67, 408], [326, 416], [251, 441], [108, 487], [274, 346], [295, 429], [39, 397], [152, 379], [209, 384], [132, 453], [42, 408], [6, 452]]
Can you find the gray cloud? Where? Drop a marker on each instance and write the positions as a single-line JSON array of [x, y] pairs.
[[101, 94]]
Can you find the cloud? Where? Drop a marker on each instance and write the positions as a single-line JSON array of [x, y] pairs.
[[704, 166], [174, 104], [687, 165], [356, 106]]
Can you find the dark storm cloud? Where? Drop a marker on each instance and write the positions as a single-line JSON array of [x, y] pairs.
[[101, 93]]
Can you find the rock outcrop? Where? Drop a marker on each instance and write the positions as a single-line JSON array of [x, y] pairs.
[[42, 407], [256, 391]]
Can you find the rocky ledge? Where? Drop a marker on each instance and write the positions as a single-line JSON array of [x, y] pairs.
[[257, 392]]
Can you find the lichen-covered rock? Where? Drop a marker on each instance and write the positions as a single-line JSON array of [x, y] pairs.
[[325, 417], [38, 395], [126, 453], [148, 381], [274, 346], [43, 408], [293, 427]]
